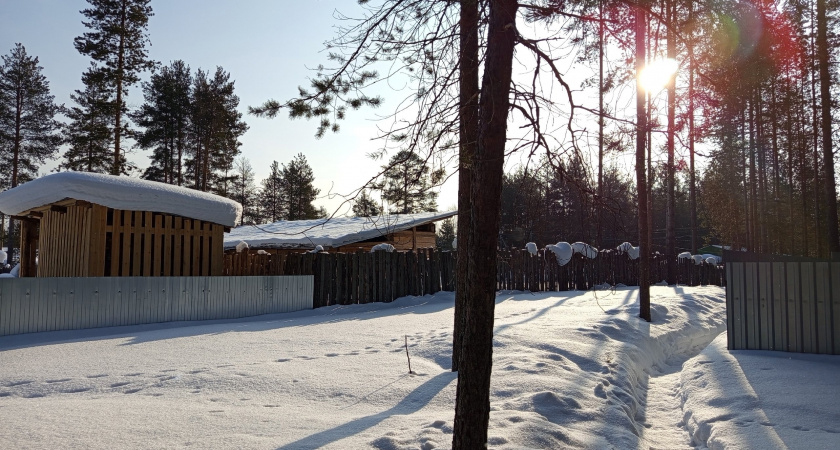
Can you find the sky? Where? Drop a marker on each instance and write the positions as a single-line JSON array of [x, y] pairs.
[[572, 369], [267, 46]]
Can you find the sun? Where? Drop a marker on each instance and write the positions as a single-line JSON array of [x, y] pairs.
[[657, 74]]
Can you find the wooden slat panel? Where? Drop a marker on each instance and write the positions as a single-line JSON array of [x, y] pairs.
[[136, 250], [116, 242], [177, 248], [96, 232], [168, 245], [147, 245]]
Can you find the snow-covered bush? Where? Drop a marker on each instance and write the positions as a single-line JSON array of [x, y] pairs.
[[626, 247], [563, 252], [531, 247], [585, 249], [382, 247]]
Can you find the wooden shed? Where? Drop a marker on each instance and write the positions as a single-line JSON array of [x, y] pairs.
[[92, 225]]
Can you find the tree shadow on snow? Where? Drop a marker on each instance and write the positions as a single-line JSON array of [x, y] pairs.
[[411, 403]]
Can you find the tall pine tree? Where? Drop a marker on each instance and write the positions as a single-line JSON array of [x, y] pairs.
[[28, 129], [216, 127], [365, 206], [298, 190], [407, 184], [270, 198], [89, 133], [244, 190], [117, 41], [165, 118]]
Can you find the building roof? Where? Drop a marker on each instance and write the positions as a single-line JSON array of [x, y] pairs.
[[130, 194], [333, 232]]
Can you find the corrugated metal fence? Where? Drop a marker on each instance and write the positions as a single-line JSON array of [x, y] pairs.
[[785, 304], [29, 305]]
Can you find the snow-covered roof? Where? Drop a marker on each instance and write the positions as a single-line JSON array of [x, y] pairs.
[[333, 232], [131, 194]]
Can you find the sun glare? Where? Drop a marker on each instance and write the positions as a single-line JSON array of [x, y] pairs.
[[657, 74]]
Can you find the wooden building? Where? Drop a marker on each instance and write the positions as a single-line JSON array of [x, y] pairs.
[[92, 225], [341, 234]]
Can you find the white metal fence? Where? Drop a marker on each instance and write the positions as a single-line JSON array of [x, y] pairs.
[[29, 305]]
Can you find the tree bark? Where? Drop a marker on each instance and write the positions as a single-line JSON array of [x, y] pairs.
[[829, 186], [468, 135], [670, 178], [472, 407], [641, 181], [119, 79]]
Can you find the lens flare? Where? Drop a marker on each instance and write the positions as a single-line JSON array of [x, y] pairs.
[[656, 75]]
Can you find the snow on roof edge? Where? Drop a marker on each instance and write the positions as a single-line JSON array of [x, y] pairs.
[[131, 194], [334, 232]]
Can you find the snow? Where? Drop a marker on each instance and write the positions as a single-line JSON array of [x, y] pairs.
[[241, 246], [532, 248], [317, 249], [455, 244], [382, 247], [131, 194], [563, 252], [698, 259], [628, 248], [331, 232], [761, 399], [3, 257], [13, 274], [684, 255], [585, 249], [572, 369]]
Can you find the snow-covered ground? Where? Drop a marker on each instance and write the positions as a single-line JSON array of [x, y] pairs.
[[572, 369]]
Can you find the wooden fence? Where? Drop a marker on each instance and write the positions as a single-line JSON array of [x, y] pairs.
[[784, 304], [519, 270], [29, 305], [361, 277]]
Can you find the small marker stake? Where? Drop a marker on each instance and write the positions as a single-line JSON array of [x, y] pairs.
[[407, 356]]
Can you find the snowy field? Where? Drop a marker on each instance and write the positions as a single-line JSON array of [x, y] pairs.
[[574, 369]]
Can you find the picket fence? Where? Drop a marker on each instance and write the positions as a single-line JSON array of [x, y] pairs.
[[29, 305]]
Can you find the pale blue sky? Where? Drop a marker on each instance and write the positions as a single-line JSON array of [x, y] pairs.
[[266, 46]]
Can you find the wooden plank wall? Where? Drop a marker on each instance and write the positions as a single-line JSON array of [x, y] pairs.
[[29, 305], [67, 246], [784, 306], [142, 243]]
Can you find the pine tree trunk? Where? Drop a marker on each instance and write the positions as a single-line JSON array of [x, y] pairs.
[[120, 67], [641, 182], [692, 182], [468, 135], [599, 204], [829, 187], [670, 179], [472, 408]]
